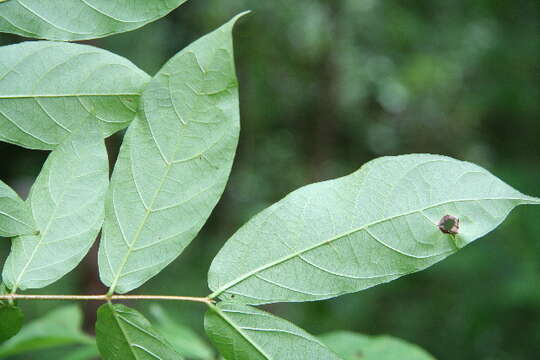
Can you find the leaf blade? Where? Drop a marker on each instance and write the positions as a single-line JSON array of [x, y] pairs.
[[352, 346], [183, 339], [123, 333], [348, 234], [58, 328], [80, 19], [174, 163], [242, 332], [12, 321], [15, 215], [67, 205], [49, 89]]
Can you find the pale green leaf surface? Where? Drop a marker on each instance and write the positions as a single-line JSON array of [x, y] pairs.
[[58, 328], [86, 352], [11, 320], [243, 332], [67, 204], [49, 89], [352, 346], [371, 227], [15, 216], [124, 334], [184, 341], [79, 19], [174, 163]]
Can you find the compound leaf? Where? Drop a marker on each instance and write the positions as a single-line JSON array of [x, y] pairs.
[[11, 321], [67, 204], [242, 332], [15, 216], [373, 226], [124, 334], [352, 346], [79, 19], [174, 163], [60, 327], [49, 89]]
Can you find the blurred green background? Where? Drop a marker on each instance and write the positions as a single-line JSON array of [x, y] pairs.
[[327, 85]]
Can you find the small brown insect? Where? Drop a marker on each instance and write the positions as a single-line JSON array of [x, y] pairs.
[[449, 225]]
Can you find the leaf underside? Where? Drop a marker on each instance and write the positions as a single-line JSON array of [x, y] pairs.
[[49, 90], [241, 332], [67, 205], [15, 216], [174, 163], [368, 228], [79, 19], [124, 334]]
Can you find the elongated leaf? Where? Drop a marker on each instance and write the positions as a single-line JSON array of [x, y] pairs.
[[87, 352], [67, 204], [60, 327], [48, 89], [79, 19], [183, 340], [11, 320], [15, 216], [351, 346], [242, 332], [124, 334], [174, 162], [370, 227]]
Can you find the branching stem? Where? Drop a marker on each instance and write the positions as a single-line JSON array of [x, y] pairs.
[[12, 297]]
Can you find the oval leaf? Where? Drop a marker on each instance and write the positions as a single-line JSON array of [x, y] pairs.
[[174, 163], [124, 334], [60, 327], [368, 228], [242, 332], [67, 204], [15, 216], [11, 321], [351, 346], [48, 89], [79, 19]]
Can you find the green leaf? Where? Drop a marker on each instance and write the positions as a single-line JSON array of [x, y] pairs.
[[174, 163], [79, 19], [87, 352], [351, 346], [242, 332], [371, 227], [67, 204], [123, 334], [184, 340], [49, 89], [15, 216], [60, 327], [11, 321]]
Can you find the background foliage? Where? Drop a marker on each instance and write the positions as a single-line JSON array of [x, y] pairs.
[[327, 85]]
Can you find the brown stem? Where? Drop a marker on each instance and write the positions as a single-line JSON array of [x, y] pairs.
[[105, 297]]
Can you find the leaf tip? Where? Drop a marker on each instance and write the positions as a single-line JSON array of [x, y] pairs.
[[235, 19]]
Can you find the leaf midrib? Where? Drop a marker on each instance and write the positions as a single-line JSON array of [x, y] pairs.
[[48, 96], [230, 284], [239, 331], [113, 310]]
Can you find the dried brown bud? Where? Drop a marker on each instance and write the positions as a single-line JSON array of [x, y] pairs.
[[449, 225]]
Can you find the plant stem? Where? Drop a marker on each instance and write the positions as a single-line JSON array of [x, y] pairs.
[[105, 297]]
